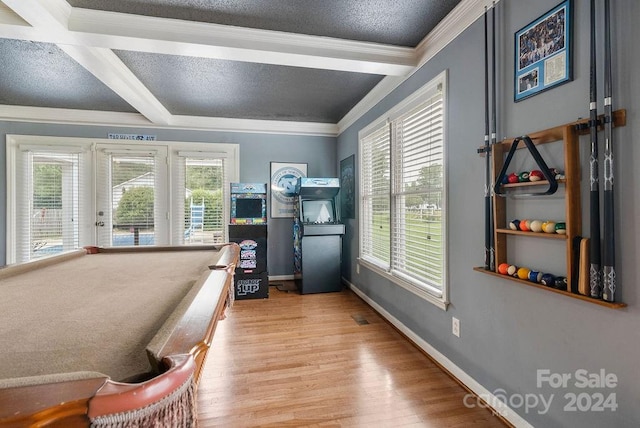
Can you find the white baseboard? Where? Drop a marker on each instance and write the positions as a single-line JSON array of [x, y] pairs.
[[499, 407], [281, 278]]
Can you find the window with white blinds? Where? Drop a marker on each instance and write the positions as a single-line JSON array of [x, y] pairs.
[[403, 191], [66, 193], [375, 210], [201, 189], [48, 205], [126, 198]]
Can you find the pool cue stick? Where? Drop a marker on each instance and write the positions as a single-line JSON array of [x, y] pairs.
[[489, 263], [595, 273], [493, 117], [608, 254]]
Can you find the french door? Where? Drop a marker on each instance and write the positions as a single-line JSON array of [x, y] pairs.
[[131, 196], [65, 193]]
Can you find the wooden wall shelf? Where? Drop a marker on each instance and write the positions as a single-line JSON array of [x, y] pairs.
[[613, 305], [567, 135], [533, 234], [532, 183]]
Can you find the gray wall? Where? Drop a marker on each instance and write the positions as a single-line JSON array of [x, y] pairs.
[[509, 331], [256, 153]]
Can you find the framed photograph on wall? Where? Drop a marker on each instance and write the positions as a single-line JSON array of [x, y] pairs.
[[284, 176], [348, 187], [543, 57]]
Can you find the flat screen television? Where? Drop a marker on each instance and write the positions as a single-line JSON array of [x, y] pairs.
[[318, 211]]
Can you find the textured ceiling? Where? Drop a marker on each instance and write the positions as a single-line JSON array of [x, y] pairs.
[[207, 87], [41, 75], [394, 22], [238, 59]]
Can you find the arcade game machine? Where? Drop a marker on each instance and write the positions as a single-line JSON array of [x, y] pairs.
[[248, 229], [317, 236]]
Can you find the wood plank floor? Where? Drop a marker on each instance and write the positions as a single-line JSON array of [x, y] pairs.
[[323, 360]]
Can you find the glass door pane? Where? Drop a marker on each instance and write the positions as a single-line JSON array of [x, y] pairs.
[[126, 199], [54, 208], [204, 196]]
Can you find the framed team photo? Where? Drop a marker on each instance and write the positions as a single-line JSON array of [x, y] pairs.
[[543, 57]]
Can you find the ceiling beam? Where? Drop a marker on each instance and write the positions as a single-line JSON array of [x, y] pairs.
[[56, 22], [178, 37], [50, 18], [45, 15], [110, 70]]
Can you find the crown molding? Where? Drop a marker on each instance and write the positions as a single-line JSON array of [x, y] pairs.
[[254, 126], [12, 113], [377, 94], [459, 19]]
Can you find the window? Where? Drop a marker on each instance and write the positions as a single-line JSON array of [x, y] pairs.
[[202, 194], [127, 196], [402, 193], [48, 180], [65, 193]]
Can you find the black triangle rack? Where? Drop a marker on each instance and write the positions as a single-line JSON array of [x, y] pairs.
[[546, 172]]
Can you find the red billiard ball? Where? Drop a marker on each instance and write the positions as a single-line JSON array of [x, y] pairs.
[[536, 175]]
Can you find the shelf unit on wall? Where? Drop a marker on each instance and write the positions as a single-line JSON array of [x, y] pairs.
[[568, 134]]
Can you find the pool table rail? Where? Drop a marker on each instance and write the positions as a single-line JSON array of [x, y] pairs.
[[178, 359]]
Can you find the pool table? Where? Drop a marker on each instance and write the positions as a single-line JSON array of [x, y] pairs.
[[102, 336]]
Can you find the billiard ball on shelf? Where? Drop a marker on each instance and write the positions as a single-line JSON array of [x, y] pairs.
[[536, 175], [503, 268], [548, 279], [535, 226], [549, 227]]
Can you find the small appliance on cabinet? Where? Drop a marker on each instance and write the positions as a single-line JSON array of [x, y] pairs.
[[317, 236], [248, 229]]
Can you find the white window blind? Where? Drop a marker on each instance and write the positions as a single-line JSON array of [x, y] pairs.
[[201, 189], [402, 193], [64, 193], [417, 237], [127, 209], [48, 202], [375, 242]]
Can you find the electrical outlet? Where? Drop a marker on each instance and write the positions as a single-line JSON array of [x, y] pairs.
[[358, 269], [455, 326]]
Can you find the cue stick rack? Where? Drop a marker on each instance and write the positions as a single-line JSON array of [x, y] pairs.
[[567, 134]]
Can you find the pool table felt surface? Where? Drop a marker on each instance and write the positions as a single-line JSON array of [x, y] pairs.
[[96, 312]]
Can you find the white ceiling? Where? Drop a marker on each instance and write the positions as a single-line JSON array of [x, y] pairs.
[[285, 66]]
